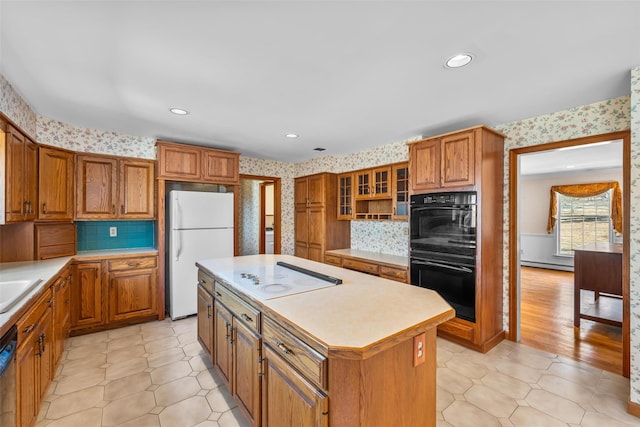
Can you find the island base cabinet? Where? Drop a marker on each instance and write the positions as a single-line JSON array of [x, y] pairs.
[[385, 389], [205, 320], [246, 372], [223, 341], [289, 400]]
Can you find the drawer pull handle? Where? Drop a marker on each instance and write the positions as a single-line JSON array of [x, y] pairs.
[[218, 294], [44, 208], [246, 317], [133, 264], [28, 329], [284, 348]]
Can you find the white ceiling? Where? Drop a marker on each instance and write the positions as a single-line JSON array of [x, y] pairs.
[[345, 75], [573, 159]]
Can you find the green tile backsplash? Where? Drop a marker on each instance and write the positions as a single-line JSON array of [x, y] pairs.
[[94, 235]]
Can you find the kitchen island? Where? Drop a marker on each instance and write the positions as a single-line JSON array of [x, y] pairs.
[[359, 353]]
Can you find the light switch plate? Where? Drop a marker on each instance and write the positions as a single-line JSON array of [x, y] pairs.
[[113, 231]]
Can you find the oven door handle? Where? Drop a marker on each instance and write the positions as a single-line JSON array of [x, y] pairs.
[[437, 264]]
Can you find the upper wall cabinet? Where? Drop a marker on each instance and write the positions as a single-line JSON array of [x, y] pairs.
[[21, 179], [55, 184], [443, 162], [114, 188], [181, 162]]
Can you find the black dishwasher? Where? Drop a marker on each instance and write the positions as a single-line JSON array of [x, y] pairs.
[[8, 344]]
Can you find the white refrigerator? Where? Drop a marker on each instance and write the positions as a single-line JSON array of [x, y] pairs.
[[201, 227]]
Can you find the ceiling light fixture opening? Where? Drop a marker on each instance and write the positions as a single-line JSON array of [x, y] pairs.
[[319, 149], [459, 60], [291, 135], [179, 111]]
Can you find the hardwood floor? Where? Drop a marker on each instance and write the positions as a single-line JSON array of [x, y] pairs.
[[547, 321]]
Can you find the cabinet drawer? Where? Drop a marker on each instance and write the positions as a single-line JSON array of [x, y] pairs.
[[397, 274], [459, 328], [333, 260], [365, 267], [240, 309], [309, 362], [206, 281], [28, 322], [131, 263]]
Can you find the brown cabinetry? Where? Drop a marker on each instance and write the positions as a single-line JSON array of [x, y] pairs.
[[400, 175], [55, 184], [373, 183], [205, 320], [470, 160], [366, 262], [61, 312], [345, 195], [132, 288], [316, 221], [114, 188], [87, 295], [21, 169], [55, 240], [34, 359], [182, 162]]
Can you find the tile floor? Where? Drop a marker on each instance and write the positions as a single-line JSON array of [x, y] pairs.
[[156, 374]]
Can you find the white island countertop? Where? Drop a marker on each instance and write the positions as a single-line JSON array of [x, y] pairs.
[[355, 316]]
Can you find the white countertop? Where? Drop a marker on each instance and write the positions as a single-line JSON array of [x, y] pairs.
[[356, 315], [46, 270], [379, 257]]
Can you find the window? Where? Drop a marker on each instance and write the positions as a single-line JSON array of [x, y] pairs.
[[583, 220]]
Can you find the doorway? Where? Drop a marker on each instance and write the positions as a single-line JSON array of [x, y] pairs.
[[259, 215], [525, 282]]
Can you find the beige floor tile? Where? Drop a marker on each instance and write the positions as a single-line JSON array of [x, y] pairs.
[[568, 389], [90, 339], [170, 372], [175, 391], [72, 367], [531, 360], [220, 400], [148, 420], [577, 374], [192, 349], [161, 344], [76, 353], [595, 419], [491, 401], [165, 357], [506, 385], [208, 423], [527, 416], [613, 387], [129, 367], [91, 417], [188, 338], [128, 408], [127, 331], [467, 368], [125, 342], [187, 412], [556, 406], [452, 381], [124, 354], [201, 363], [89, 378], [149, 335], [126, 386], [442, 423], [518, 371], [443, 399], [209, 379], [464, 414], [613, 407], [232, 418], [75, 402]]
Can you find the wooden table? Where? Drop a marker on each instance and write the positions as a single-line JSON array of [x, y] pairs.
[[598, 268]]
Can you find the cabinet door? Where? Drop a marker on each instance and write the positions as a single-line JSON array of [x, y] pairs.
[[363, 184], [400, 176], [223, 341], [86, 295], [137, 199], [31, 179], [181, 162], [381, 182], [55, 184], [458, 157], [424, 164], [219, 166], [317, 235], [301, 231], [289, 400], [27, 394], [61, 315], [345, 196], [96, 188], [301, 192], [246, 371], [45, 370], [205, 320], [316, 190], [132, 293], [15, 202]]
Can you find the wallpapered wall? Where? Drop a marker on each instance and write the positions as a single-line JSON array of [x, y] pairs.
[[249, 217], [602, 117]]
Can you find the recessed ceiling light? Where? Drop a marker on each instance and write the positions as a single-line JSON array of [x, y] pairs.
[[571, 166], [179, 111], [291, 135], [459, 60]]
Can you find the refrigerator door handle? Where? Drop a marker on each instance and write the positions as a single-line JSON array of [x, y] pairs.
[[177, 214], [178, 244]]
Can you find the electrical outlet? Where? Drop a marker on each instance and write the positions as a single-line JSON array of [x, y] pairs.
[[113, 231], [406, 231], [419, 350]]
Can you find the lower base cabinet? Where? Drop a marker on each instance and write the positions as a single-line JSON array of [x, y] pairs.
[[205, 319], [288, 399]]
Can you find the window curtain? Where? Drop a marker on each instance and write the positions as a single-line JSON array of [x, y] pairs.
[[587, 190]]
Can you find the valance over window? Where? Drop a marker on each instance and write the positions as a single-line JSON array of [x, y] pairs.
[[587, 190]]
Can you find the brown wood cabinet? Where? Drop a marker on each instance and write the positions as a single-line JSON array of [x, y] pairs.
[[34, 359], [289, 399], [87, 296], [61, 312], [114, 188], [345, 195], [205, 320], [223, 340], [374, 183], [182, 162], [470, 160], [55, 184], [400, 175], [21, 169], [132, 288], [447, 161], [316, 221], [53, 240], [370, 266]]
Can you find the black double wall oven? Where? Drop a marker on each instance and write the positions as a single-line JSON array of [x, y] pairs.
[[443, 247]]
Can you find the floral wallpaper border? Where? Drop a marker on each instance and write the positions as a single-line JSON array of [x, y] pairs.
[[16, 108], [635, 237]]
